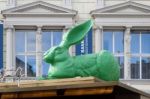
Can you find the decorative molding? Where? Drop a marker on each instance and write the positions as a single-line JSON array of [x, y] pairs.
[[114, 9], [39, 13], [38, 8], [8, 27], [123, 14], [133, 15]]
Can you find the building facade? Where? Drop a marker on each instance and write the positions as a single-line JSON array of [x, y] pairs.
[[121, 27]]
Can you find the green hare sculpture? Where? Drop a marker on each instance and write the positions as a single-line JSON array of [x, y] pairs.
[[101, 65]]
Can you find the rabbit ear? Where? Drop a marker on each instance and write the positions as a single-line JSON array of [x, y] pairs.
[[76, 34]]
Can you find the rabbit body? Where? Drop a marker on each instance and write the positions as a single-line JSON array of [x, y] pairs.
[[102, 65]]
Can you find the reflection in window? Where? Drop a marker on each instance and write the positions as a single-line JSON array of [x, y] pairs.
[[20, 42], [113, 41], [119, 42], [135, 68], [46, 41], [145, 36], [135, 42], [20, 62], [30, 41], [108, 41], [45, 68], [49, 38], [140, 48], [25, 45], [31, 66], [25, 42], [121, 63], [146, 68], [57, 38]]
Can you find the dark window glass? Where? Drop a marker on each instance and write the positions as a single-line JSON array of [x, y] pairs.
[[20, 62], [135, 68], [121, 63], [145, 68], [31, 66]]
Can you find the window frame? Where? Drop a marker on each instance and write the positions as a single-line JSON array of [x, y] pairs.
[[25, 53], [139, 55], [52, 31], [113, 44]]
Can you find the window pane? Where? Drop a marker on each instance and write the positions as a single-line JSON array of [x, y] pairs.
[[45, 68], [20, 62], [57, 38], [31, 66], [107, 42], [20, 41], [121, 63], [135, 67], [146, 68], [46, 40], [145, 42], [119, 42], [135, 42], [31, 41]]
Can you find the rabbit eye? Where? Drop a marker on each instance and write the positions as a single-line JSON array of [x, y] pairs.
[[58, 51]]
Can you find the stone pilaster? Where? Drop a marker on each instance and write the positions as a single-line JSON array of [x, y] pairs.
[[9, 49], [127, 71], [39, 51], [98, 39]]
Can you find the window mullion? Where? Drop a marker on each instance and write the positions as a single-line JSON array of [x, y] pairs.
[[52, 39], [113, 50], [140, 67], [140, 56], [25, 54], [140, 44]]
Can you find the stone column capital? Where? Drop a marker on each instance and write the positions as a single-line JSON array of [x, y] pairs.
[[67, 27], [98, 27], [39, 29], [39, 26], [128, 27], [8, 27]]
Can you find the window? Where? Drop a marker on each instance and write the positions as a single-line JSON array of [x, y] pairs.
[[25, 42], [140, 55], [67, 2], [11, 3], [1, 45], [100, 3], [25, 52], [49, 39], [113, 41]]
